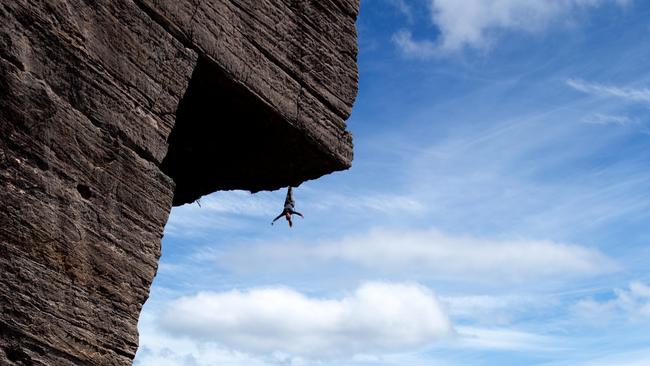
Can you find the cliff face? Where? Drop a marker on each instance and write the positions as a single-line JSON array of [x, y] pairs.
[[112, 110]]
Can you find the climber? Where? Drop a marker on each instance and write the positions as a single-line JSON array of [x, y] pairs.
[[289, 205]]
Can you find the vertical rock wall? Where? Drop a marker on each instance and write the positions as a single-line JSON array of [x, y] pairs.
[[248, 94]]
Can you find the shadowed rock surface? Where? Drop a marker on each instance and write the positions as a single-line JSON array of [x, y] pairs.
[[112, 110]]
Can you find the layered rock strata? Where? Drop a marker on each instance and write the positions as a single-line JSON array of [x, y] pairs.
[[113, 110]]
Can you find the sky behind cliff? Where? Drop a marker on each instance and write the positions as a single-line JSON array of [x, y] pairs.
[[496, 212]]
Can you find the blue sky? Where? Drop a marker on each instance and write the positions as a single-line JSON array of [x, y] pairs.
[[496, 212]]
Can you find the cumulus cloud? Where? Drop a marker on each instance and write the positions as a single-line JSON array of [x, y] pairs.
[[478, 23], [160, 349], [632, 303], [377, 317], [641, 95], [429, 254]]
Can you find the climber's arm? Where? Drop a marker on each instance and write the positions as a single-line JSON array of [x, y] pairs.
[[277, 218]]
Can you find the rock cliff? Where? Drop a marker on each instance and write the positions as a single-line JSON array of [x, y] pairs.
[[113, 110]]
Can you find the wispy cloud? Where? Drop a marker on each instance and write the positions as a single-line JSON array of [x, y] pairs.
[[608, 119], [479, 23], [403, 7], [631, 304], [376, 318], [415, 48], [428, 254], [634, 357], [504, 339], [641, 95], [496, 310], [526, 174], [380, 203], [221, 210]]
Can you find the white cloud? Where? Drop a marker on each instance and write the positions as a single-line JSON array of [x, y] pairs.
[[429, 254], [160, 349], [469, 22], [415, 48], [632, 304], [630, 94], [194, 355], [377, 317], [478, 23]]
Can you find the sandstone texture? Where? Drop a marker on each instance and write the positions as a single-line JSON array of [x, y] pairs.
[[113, 110]]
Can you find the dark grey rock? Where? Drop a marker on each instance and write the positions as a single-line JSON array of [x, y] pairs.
[[110, 111]]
